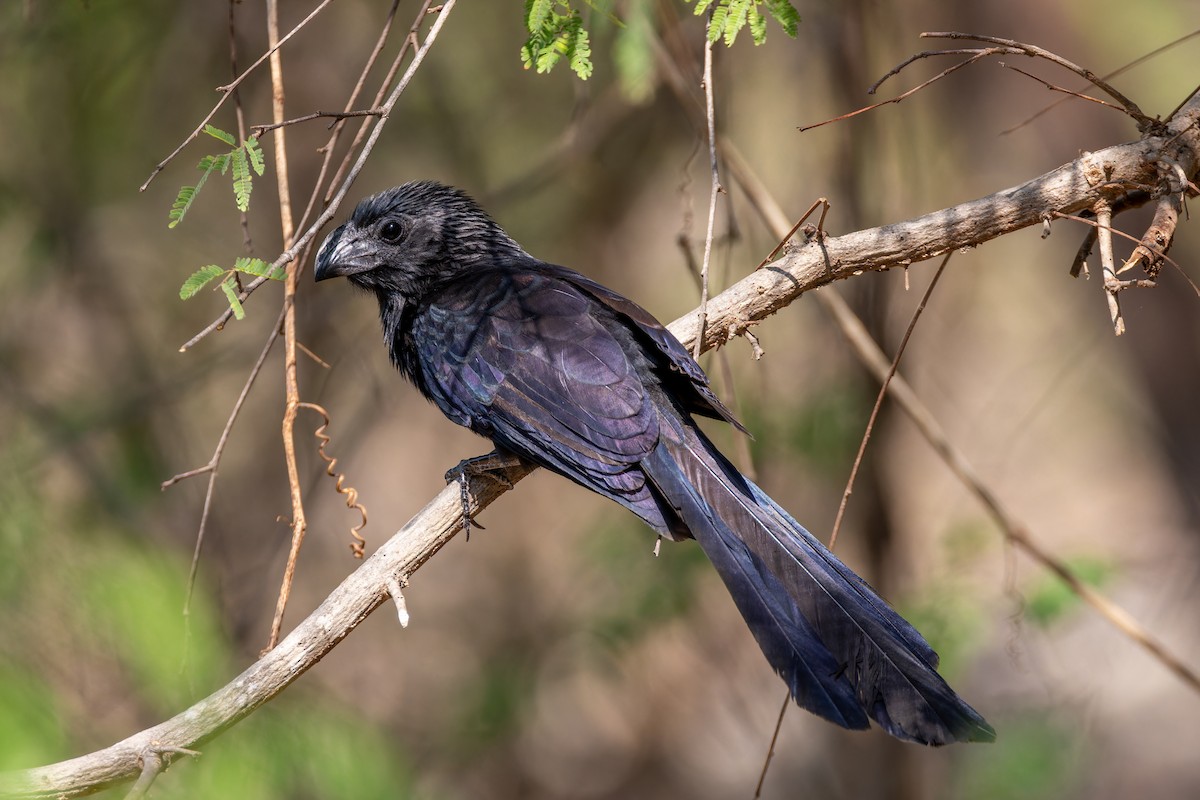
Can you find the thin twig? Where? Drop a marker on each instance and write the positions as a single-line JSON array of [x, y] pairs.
[[904, 95], [1055, 88], [328, 148], [1103, 213], [883, 387], [710, 111], [762, 776], [227, 90], [290, 380], [820, 202], [1113, 231], [211, 467], [259, 130], [1109, 76], [1130, 107]]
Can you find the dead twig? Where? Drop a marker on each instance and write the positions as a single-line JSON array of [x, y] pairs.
[[715, 186], [1109, 76], [976, 56], [336, 116], [1144, 122], [883, 387], [290, 381], [1055, 88], [213, 463]]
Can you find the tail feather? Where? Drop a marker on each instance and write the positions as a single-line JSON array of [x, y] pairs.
[[843, 652]]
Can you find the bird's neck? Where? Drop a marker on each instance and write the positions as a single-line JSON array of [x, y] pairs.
[[393, 315]]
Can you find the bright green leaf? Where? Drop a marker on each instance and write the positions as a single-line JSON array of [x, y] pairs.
[[187, 194], [785, 14], [581, 56], [758, 25], [217, 133], [198, 280], [231, 294], [241, 179], [716, 23], [256, 155], [257, 267], [537, 14]]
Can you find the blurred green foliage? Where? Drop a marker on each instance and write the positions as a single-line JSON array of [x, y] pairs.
[[492, 706], [823, 428], [292, 751], [120, 626], [31, 728], [1049, 599], [638, 592], [1032, 759]]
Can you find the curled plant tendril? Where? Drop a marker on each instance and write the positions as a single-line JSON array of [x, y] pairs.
[[356, 547]]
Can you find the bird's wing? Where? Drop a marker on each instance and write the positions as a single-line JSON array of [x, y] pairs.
[[527, 360], [686, 379]]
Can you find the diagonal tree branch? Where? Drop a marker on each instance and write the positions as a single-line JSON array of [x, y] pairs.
[[1080, 184]]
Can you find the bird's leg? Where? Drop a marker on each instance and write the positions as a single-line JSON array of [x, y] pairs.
[[490, 466]]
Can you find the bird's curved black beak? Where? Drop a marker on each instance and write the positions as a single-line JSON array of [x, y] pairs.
[[345, 252]]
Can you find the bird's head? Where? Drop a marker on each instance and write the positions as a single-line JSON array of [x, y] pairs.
[[408, 239]]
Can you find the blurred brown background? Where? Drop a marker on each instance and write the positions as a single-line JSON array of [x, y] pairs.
[[551, 656]]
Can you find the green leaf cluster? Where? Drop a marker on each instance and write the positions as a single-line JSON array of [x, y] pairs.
[[229, 280], [730, 17], [556, 32], [243, 158]]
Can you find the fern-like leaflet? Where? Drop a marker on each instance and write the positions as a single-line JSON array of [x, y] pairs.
[[729, 17], [244, 158], [229, 283], [556, 31]]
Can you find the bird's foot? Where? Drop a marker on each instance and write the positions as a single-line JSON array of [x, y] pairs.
[[489, 466]]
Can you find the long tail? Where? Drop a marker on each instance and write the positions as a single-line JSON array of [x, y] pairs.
[[843, 652]]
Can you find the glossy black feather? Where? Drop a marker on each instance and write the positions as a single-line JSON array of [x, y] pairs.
[[555, 368]]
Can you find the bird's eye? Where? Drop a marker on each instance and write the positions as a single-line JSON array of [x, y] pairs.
[[391, 231]]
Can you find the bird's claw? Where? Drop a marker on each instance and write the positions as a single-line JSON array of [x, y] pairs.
[[490, 466]]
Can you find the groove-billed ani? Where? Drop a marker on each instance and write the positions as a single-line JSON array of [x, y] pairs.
[[561, 371]]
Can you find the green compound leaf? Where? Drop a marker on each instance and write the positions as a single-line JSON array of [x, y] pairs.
[[256, 155], [198, 280], [758, 25], [739, 11], [730, 17], [217, 133], [242, 185], [537, 14], [229, 287], [581, 55], [187, 194], [785, 14], [258, 268], [556, 32]]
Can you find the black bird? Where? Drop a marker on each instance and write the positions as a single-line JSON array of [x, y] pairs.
[[558, 370]]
